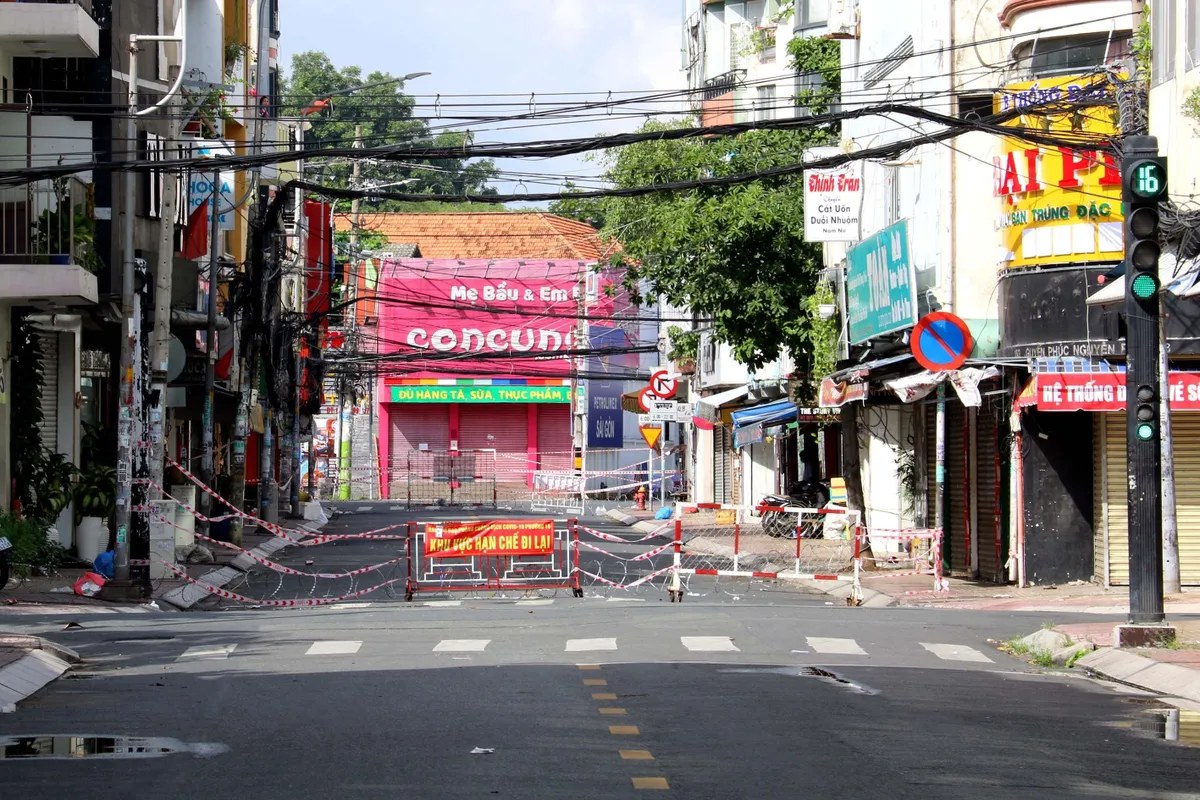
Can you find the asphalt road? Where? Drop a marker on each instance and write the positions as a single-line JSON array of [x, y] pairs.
[[738, 693]]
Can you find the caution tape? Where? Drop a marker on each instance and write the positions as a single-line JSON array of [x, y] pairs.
[[337, 537], [643, 557], [290, 534], [314, 601], [608, 537]]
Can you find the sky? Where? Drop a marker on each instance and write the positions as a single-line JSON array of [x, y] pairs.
[[521, 47]]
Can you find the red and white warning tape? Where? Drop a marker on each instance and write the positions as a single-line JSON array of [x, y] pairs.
[[666, 529], [314, 601], [615, 585], [643, 557]]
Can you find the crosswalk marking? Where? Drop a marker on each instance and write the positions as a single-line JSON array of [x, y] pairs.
[[462, 645], [956, 652], [841, 647], [543, 602], [214, 652], [583, 645], [333, 648], [340, 606], [709, 644], [443, 603]]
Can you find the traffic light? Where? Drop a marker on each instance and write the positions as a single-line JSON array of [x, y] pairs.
[[1143, 188]]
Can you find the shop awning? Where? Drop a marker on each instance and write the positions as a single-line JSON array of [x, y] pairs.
[[766, 414], [708, 407], [1101, 389]]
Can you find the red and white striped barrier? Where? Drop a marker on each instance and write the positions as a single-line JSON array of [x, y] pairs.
[[632, 585], [663, 531], [642, 557]]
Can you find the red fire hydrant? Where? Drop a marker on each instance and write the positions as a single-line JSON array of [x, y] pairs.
[[640, 497]]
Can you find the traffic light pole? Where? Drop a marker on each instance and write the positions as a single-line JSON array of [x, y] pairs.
[[1144, 185]]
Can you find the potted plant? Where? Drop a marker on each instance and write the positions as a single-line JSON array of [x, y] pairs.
[[683, 348]]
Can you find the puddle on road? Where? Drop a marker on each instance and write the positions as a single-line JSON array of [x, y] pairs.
[[73, 747], [1169, 724], [808, 672]]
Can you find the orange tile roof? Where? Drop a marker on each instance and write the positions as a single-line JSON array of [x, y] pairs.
[[487, 235]]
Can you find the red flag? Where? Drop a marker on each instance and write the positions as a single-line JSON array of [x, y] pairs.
[[317, 106], [195, 236]]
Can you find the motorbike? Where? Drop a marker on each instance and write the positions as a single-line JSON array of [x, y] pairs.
[[784, 524], [5, 560]]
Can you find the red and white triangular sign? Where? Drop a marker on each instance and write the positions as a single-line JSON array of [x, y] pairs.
[[651, 434]]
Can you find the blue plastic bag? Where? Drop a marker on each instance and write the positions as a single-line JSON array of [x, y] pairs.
[[663, 513], [104, 564]]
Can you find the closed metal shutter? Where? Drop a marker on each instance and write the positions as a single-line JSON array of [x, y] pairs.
[[1117, 499], [958, 478], [1185, 434], [987, 490], [48, 430], [502, 428], [555, 445], [1099, 501], [414, 425], [722, 479], [930, 411]]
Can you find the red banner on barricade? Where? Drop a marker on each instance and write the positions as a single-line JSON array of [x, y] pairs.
[[489, 538]]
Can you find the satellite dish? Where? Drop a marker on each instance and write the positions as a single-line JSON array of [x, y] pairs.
[[178, 359]]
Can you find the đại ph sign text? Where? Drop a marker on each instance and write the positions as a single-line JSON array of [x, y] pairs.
[[489, 538], [481, 317], [1058, 204], [881, 285], [833, 203]]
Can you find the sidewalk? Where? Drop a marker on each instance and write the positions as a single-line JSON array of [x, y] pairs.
[[186, 595], [28, 663]]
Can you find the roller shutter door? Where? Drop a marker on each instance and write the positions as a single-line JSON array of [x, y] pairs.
[[722, 462], [414, 425], [1186, 437], [502, 428], [930, 412], [1099, 500], [958, 478], [555, 445], [987, 489], [48, 430]]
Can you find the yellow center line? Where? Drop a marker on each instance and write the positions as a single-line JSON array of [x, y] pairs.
[[603, 696], [595, 682], [589, 667], [636, 755], [623, 730], [650, 783], [613, 712]]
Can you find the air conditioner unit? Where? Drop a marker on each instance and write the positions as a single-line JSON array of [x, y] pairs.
[[843, 19]]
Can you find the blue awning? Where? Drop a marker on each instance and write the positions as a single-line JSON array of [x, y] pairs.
[[779, 411]]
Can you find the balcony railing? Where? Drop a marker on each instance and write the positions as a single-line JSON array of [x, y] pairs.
[[48, 222]]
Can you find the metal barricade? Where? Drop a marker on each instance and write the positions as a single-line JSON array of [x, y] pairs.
[[450, 477], [492, 555], [557, 492], [904, 552], [731, 541]]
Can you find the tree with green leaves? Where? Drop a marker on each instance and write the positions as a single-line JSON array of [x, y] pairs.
[[386, 114], [735, 254]]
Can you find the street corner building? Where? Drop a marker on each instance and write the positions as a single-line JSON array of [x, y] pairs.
[[475, 392]]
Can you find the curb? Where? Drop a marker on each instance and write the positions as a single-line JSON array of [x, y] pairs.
[[186, 597], [839, 589], [44, 663], [1130, 669]]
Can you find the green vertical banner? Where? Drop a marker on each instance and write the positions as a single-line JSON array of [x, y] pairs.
[[881, 285], [344, 441]]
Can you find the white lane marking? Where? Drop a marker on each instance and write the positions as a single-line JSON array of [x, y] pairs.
[[709, 644], [624, 599], [395, 508], [352, 605], [333, 648], [462, 645], [583, 645], [841, 647], [544, 602], [956, 652], [207, 652], [361, 509], [443, 603]]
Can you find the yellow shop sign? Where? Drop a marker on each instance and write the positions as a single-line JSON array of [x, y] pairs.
[[1058, 205]]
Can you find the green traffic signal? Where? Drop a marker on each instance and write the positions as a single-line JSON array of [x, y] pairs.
[[1147, 180], [1145, 431], [1144, 286]]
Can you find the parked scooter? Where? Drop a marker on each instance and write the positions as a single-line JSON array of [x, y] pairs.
[[783, 524], [5, 560]]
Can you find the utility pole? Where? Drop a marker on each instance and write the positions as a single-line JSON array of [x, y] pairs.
[[346, 423], [1144, 186], [161, 347], [1170, 523], [207, 462]]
